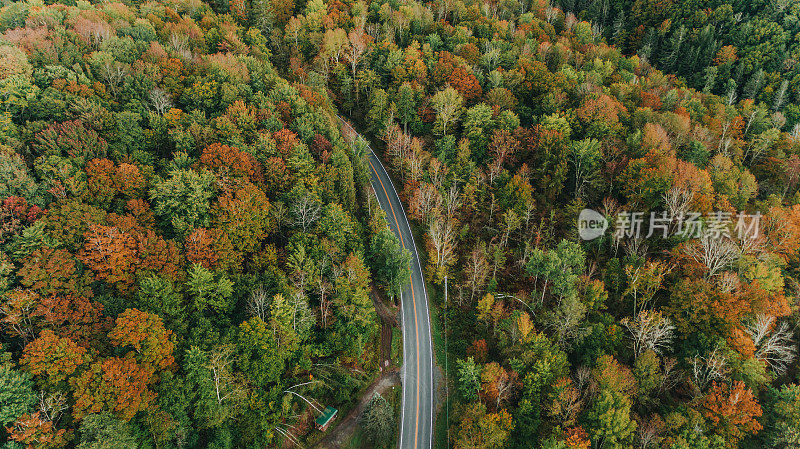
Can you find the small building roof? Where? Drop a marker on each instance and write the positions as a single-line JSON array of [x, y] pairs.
[[327, 415]]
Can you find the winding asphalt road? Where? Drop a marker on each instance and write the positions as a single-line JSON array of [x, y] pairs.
[[416, 422]]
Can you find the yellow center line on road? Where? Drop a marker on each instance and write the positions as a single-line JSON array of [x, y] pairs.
[[413, 301]]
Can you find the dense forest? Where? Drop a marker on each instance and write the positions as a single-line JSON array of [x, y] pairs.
[[738, 49], [187, 243], [502, 120], [188, 246]]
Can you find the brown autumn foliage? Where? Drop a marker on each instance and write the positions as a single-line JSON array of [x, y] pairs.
[[117, 385], [276, 175], [243, 215], [465, 83], [229, 161], [145, 333], [77, 318], [609, 374], [34, 431], [141, 211], [732, 411], [286, 140], [199, 248], [156, 254], [51, 271], [53, 358], [100, 175], [782, 229], [111, 254], [129, 181]]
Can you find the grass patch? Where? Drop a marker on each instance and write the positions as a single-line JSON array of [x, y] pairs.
[[397, 346], [357, 441]]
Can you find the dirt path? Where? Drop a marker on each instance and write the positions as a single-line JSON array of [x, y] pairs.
[[388, 313], [345, 429], [390, 376], [388, 317]]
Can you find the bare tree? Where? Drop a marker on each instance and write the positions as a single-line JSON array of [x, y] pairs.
[[530, 208], [773, 343], [442, 238], [302, 268], [302, 317], [715, 254], [358, 46], [258, 303], [425, 201], [550, 13], [325, 302], [113, 73], [52, 405], [397, 142], [706, 369], [306, 211], [728, 281], [180, 43], [648, 431], [671, 375], [504, 384], [452, 201], [220, 364], [476, 270], [17, 315], [280, 214], [445, 6], [414, 162], [678, 200], [780, 96], [583, 381], [649, 330], [566, 319], [160, 100], [437, 172], [511, 222], [567, 403], [643, 283], [634, 246]]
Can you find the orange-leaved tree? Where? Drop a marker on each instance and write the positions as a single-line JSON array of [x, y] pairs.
[[229, 161], [243, 215], [35, 431], [100, 181], [75, 317], [111, 254], [54, 358], [732, 411], [50, 271], [145, 333], [117, 385]]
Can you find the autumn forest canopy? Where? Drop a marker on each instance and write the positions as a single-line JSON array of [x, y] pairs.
[[191, 255]]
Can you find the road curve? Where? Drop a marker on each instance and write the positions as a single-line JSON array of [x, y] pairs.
[[416, 421]]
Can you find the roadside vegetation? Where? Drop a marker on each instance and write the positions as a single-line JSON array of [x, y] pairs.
[[187, 244]]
